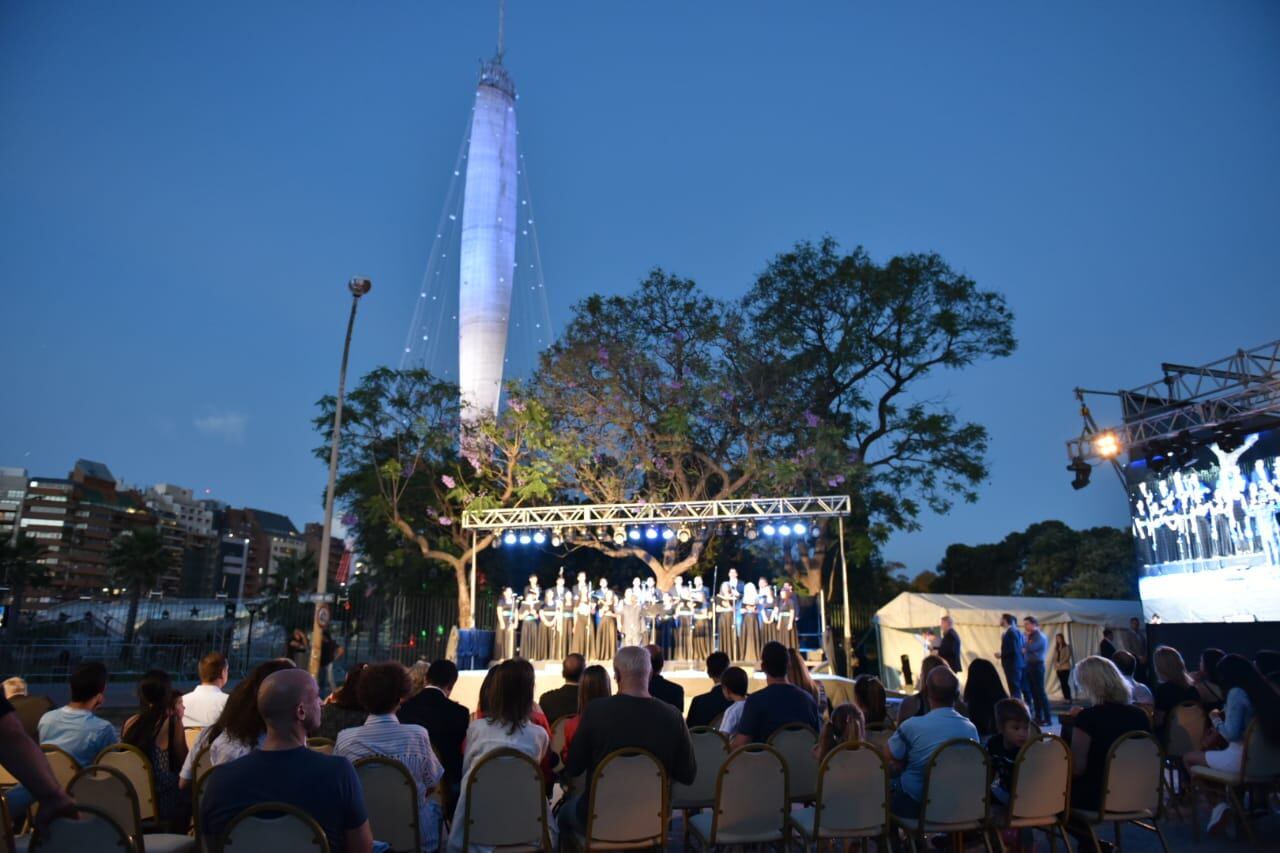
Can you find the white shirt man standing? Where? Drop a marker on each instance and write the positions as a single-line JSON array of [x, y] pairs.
[[203, 706]]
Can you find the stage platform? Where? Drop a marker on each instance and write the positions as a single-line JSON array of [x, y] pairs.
[[694, 682]]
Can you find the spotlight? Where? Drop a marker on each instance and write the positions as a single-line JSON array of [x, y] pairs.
[[651, 533], [525, 538], [784, 529], [1106, 445], [768, 529], [799, 528], [1082, 470], [684, 534], [667, 533], [619, 536], [557, 538], [1229, 437], [539, 537], [751, 531], [509, 537], [634, 534]]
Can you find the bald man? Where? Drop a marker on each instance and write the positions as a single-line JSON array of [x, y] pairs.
[[918, 738], [284, 770]]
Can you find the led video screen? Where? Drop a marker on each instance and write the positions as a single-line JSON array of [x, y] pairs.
[[1208, 533]]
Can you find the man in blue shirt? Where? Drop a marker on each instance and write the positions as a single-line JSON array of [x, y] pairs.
[[1011, 660], [284, 770], [1037, 647], [779, 703], [912, 746]]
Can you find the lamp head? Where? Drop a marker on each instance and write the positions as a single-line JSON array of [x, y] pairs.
[[359, 286]]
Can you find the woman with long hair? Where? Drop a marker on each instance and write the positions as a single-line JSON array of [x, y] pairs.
[[1094, 729], [868, 692], [342, 710], [784, 615], [606, 637], [1173, 685], [1211, 693], [847, 725], [1062, 662], [798, 674], [982, 690], [749, 632], [1250, 697], [594, 684], [157, 730]]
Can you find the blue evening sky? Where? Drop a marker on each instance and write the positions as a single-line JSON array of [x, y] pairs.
[[186, 187]]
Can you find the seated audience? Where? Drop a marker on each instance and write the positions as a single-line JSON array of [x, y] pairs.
[[799, 675], [913, 745], [1173, 686], [507, 724], [1111, 714], [735, 684], [342, 710], [779, 703], [1128, 665], [28, 708], [847, 725], [284, 770], [1013, 729], [156, 730], [486, 690], [21, 756], [446, 721], [916, 704], [563, 701], [240, 728], [203, 705], [594, 684], [75, 727], [705, 707], [661, 688], [630, 719], [868, 692], [1211, 695], [983, 690], [382, 689], [418, 677]]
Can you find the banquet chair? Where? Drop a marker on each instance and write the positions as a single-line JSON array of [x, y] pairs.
[[203, 843], [61, 763], [1185, 727], [130, 761], [192, 734], [852, 798], [320, 744], [709, 750], [273, 828], [8, 843], [795, 743], [504, 803], [629, 804], [93, 831], [1259, 766], [1040, 792], [957, 794], [1132, 789], [391, 798], [114, 794], [7, 779], [203, 762], [557, 733], [751, 803]]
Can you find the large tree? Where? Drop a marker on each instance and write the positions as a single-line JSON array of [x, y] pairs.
[[137, 558], [21, 568]]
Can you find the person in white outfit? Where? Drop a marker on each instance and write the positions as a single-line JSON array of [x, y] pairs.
[[202, 706]]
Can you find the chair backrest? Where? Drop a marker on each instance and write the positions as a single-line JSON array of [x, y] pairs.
[[6, 828], [709, 749], [557, 733], [7, 779], [1261, 760], [879, 737], [505, 802], [751, 794], [204, 761], [320, 744], [795, 743], [853, 790], [1185, 728], [273, 828], [391, 799], [197, 796], [630, 801], [1041, 779], [1134, 775], [957, 784], [61, 763], [110, 791], [130, 761], [92, 830], [192, 734]]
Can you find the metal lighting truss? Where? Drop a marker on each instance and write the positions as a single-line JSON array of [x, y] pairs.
[[1242, 386], [676, 512]]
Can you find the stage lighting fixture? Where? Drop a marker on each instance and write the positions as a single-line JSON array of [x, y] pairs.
[[634, 534], [799, 528], [667, 533], [768, 529], [525, 538], [751, 531], [684, 534], [1229, 437], [619, 536], [1106, 445], [557, 538], [651, 533], [1082, 470], [539, 537], [509, 537], [784, 529]]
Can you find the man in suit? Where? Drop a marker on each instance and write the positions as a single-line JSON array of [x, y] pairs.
[[707, 706], [949, 645], [563, 701], [659, 687], [446, 722], [1011, 658], [1107, 648]]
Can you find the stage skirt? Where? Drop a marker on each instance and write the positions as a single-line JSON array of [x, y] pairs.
[[557, 641], [531, 639], [606, 639], [749, 650], [727, 635], [701, 639], [506, 642], [580, 639], [769, 631]]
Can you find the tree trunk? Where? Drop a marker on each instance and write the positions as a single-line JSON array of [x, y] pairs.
[[464, 594]]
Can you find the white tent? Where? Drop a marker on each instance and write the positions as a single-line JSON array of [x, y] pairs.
[[901, 623]]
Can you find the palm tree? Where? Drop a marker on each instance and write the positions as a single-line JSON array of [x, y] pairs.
[[138, 558], [293, 575], [20, 564]]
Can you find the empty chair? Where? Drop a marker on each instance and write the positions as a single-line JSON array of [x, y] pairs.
[[1259, 766], [391, 799], [629, 804], [709, 750], [751, 802], [320, 744], [131, 761], [795, 743], [957, 794], [92, 830], [504, 803], [60, 762], [273, 828], [1133, 788], [113, 793], [852, 797], [1040, 789]]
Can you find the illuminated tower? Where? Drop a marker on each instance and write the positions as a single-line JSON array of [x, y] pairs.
[[488, 240]]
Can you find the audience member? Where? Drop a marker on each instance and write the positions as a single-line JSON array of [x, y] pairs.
[[734, 683], [868, 692], [799, 675], [284, 770], [486, 690], [1094, 729], [707, 706], [1107, 648], [29, 709], [75, 727], [299, 649], [1013, 728], [446, 721], [1010, 654], [847, 725], [779, 703], [1211, 695], [418, 677], [156, 731], [630, 719], [983, 691], [913, 745], [342, 710], [203, 705], [661, 688], [1173, 685], [595, 684], [916, 705], [240, 728], [507, 725], [949, 645], [1035, 651], [20, 755], [1128, 665], [563, 701], [1062, 662], [382, 689]]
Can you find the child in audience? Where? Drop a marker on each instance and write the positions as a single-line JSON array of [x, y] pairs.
[[734, 684], [1013, 728]]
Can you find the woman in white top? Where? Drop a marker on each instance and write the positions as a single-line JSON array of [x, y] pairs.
[[506, 726]]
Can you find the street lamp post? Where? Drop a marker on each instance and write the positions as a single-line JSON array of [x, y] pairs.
[[358, 287]]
